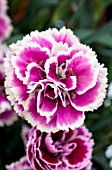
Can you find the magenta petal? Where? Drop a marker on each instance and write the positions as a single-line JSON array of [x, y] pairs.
[[49, 144], [20, 88], [42, 42], [84, 101], [62, 59], [70, 82], [85, 71], [93, 98], [65, 36], [22, 164], [5, 27], [28, 55], [34, 73], [32, 54], [47, 107], [63, 150], [68, 117], [80, 153], [35, 119], [51, 69]]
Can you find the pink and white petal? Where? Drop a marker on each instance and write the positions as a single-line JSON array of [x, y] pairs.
[[44, 39], [64, 35], [88, 167], [84, 132], [34, 118], [34, 73], [93, 98], [5, 27], [48, 158], [68, 117], [8, 118], [3, 6], [51, 70], [28, 55], [60, 49], [70, 82], [86, 71], [20, 89], [47, 106], [18, 109], [25, 133], [62, 58], [51, 91], [49, 144], [7, 115], [63, 98], [80, 153], [44, 155]]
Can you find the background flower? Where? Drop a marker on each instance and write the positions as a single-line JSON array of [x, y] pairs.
[[53, 79], [60, 150], [3, 6], [108, 154], [25, 133], [7, 114], [5, 27], [22, 164]]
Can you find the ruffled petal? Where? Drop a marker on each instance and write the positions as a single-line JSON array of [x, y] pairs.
[[68, 117], [93, 98]]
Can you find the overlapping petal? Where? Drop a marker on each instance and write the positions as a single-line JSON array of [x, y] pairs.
[[54, 78], [3, 6], [61, 150], [7, 114], [5, 27], [22, 164]]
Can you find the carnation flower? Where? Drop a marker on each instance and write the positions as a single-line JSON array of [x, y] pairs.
[[3, 6], [5, 27], [25, 133], [3, 49], [53, 79], [7, 114], [61, 150], [88, 167], [19, 165]]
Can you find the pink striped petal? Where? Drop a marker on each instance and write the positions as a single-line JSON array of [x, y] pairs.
[[70, 82], [51, 69], [47, 106], [68, 117], [85, 70], [35, 119], [93, 98]]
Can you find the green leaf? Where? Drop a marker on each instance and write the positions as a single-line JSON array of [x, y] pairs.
[[14, 38], [102, 124], [84, 34]]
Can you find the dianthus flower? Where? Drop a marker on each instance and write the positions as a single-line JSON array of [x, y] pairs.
[[3, 49], [5, 27], [3, 6], [63, 150], [7, 114], [22, 164], [53, 79], [25, 133]]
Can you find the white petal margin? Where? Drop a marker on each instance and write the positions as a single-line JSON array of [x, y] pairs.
[[102, 81]]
